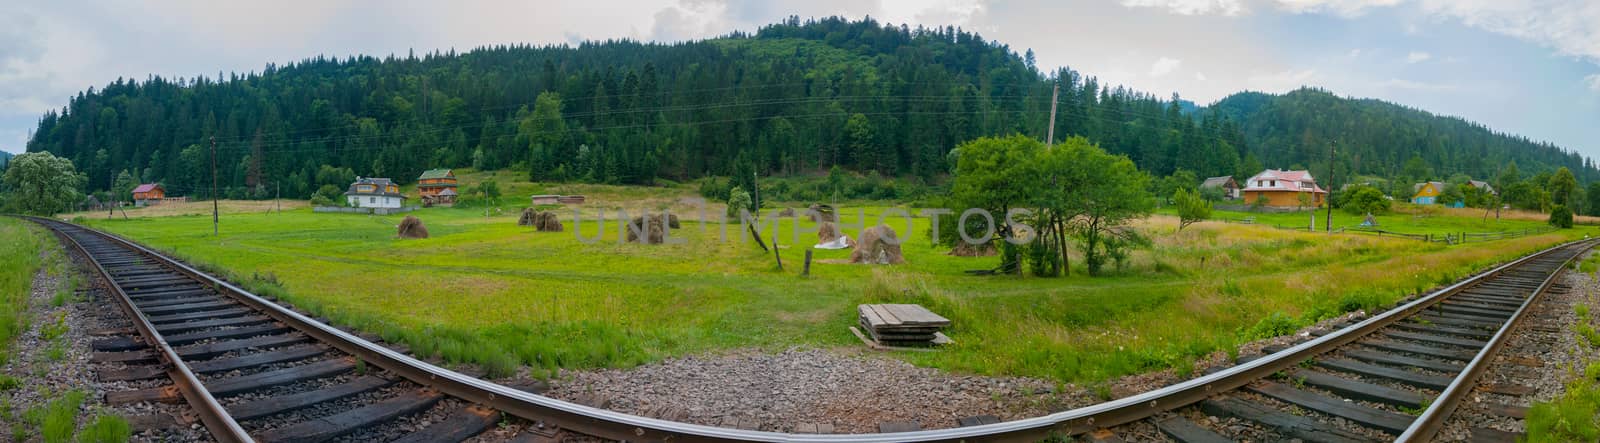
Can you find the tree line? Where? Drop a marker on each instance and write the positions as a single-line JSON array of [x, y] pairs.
[[793, 98]]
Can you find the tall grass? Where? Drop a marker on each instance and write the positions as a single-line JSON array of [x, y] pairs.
[[19, 262], [487, 292]]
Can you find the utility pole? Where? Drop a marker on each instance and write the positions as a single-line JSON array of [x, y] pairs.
[[277, 196], [1050, 134], [215, 208], [1327, 201]]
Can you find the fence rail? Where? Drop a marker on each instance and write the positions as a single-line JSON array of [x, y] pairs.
[[1452, 238]]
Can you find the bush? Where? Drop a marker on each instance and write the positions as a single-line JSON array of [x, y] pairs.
[[1365, 199], [1191, 208], [738, 199], [1561, 217]]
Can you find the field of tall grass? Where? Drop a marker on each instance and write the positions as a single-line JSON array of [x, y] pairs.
[[19, 261], [483, 290]]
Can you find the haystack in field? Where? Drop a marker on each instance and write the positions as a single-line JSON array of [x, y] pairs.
[[672, 221], [829, 237], [822, 213], [653, 228], [527, 218], [411, 227], [964, 249], [875, 247], [786, 212], [547, 221]]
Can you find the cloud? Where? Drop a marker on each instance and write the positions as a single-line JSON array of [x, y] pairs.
[[1164, 66], [1568, 26], [1191, 7], [1593, 81], [1418, 57], [1354, 53], [1200, 76], [1342, 8]]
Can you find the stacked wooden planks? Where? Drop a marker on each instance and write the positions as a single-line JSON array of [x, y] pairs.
[[902, 325]]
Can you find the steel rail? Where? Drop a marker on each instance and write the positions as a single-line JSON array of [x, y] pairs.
[[216, 419], [627, 427], [1432, 420]]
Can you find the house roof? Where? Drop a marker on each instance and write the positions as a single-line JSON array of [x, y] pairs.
[[448, 191], [1281, 180], [380, 184], [1481, 185], [1437, 186], [1217, 182], [147, 187], [436, 173]]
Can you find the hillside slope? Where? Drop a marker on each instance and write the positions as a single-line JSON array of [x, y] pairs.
[[1375, 137]]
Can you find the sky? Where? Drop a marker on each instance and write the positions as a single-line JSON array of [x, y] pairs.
[[1525, 67]]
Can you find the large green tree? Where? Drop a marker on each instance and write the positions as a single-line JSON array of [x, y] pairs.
[[1104, 192], [42, 183]]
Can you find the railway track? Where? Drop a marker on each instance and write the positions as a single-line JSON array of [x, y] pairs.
[[255, 371]]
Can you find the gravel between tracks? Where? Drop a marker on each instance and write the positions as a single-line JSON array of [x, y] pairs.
[[849, 389]]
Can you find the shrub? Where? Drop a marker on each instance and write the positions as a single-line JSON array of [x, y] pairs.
[[1191, 208], [1277, 324], [738, 199], [1365, 199], [1561, 217]]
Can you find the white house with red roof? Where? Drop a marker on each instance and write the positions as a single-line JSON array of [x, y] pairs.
[[1283, 189]]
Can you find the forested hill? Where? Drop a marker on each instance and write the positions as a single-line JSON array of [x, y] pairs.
[[1378, 138], [793, 97]]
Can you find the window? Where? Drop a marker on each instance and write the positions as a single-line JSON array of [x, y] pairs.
[[1273, 183], [372, 199]]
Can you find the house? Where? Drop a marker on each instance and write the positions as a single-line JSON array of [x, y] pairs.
[[375, 193], [1484, 186], [92, 203], [1229, 187], [1426, 193], [1282, 189], [148, 194], [437, 187]]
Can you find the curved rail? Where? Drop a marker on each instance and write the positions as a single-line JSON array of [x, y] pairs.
[[217, 421], [620, 426]]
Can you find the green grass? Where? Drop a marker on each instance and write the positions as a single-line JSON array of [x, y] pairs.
[[19, 261], [106, 429], [1414, 220], [57, 419], [485, 291]]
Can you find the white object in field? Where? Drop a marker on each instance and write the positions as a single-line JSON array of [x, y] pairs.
[[839, 243]]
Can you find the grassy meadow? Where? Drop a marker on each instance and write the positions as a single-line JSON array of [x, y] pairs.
[[19, 261], [483, 290]]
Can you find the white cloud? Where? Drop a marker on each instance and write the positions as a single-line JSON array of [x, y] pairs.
[[1418, 57], [1164, 66], [1191, 7], [1593, 80], [1571, 27], [1200, 76], [1354, 53], [1343, 8]]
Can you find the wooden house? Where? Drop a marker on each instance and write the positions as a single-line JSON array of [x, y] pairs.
[[1484, 186], [148, 194], [1282, 189], [375, 193], [437, 187], [1426, 193], [1229, 187]]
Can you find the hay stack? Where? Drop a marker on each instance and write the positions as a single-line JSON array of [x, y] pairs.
[[827, 232], [672, 221], [653, 227], [411, 227], [547, 221], [822, 213], [964, 249], [874, 247], [786, 212], [528, 217]]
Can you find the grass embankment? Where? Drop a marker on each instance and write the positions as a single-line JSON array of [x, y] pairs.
[[486, 291], [24, 250]]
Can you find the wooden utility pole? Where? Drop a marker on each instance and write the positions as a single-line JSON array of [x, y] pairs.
[[1327, 200], [215, 208], [1050, 134]]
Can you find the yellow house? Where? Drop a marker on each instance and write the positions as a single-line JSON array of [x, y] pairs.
[[1427, 193]]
